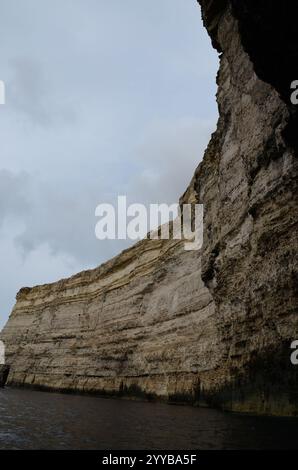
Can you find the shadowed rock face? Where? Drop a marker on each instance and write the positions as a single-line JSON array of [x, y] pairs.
[[248, 184], [213, 326], [4, 371]]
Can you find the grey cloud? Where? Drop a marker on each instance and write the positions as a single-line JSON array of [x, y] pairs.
[[103, 98], [31, 93], [27, 90], [50, 214], [62, 216], [168, 154], [14, 189]]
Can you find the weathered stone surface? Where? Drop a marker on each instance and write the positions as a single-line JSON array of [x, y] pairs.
[[248, 184], [141, 322], [213, 326], [4, 371]]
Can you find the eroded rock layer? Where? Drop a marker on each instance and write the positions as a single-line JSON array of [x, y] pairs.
[[139, 324], [213, 326], [248, 184]]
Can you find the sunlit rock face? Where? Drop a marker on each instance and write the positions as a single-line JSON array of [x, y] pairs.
[[140, 324], [212, 326]]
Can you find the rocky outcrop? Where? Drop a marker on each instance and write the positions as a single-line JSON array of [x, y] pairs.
[[213, 326]]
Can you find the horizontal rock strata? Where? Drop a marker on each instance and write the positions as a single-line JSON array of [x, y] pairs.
[[213, 326], [139, 324], [248, 185]]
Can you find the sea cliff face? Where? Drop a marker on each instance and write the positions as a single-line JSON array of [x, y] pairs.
[[248, 185], [212, 326], [141, 324]]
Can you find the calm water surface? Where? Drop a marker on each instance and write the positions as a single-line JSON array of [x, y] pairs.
[[39, 420]]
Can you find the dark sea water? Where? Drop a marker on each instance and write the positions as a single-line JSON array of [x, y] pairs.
[[39, 420]]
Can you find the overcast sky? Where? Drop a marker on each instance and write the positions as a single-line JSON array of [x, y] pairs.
[[103, 97]]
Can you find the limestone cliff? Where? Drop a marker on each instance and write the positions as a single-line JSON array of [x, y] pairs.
[[140, 323], [248, 184], [213, 326]]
